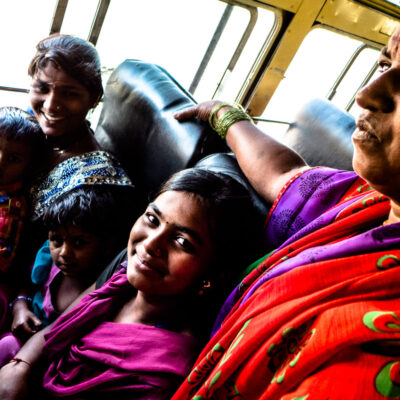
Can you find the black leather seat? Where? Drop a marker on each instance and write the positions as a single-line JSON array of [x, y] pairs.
[[321, 134], [137, 125]]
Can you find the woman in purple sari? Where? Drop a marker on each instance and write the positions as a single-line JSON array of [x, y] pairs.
[[138, 335]]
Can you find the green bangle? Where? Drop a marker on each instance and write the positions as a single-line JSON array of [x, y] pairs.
[[215, 110], [228, 118]]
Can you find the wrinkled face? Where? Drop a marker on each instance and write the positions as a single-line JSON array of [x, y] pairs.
[[169, 246], [74, 251], [377, 137], [15, 158], [59, 102]]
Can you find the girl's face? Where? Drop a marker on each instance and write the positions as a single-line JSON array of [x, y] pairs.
[[15, 158], [169, 246], [59, 102], [75, 251]]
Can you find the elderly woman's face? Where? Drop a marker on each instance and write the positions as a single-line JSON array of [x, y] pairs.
[[60, 102], [169, 247], [377, 137]]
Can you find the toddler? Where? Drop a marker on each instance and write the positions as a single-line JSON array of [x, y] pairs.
[[79, 243]]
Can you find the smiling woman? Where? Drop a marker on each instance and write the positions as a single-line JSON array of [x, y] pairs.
[[155, 303], [66, 84]]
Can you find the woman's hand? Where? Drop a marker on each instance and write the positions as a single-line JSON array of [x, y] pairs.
[[25, 323], [14, 378], [202, 111]]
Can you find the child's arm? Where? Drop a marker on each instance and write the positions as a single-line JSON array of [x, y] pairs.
[[25, 323], [14, 375]]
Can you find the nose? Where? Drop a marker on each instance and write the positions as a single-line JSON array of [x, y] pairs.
[[52, 102], [65, 251], [154, 243], [378, 95]]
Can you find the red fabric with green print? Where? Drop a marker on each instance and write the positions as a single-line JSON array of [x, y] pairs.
[[320, 317]]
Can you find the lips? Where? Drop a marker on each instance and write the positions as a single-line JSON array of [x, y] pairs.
[[52, 118], [365, 132], [145, 264]]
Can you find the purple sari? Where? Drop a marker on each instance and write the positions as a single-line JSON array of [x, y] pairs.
[[92, 357]]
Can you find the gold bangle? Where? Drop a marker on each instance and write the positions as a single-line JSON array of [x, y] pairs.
[[216, 108], [228, 118]]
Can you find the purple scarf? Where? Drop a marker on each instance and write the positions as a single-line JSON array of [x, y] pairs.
[[92, 357]]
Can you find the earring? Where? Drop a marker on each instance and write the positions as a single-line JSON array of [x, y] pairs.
[[205, 286]]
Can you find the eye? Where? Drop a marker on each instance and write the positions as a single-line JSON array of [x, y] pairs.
[[384, 65], [38, 88], [70, 93], [185, 244], [80, 242], [13, 158], [151, 218], [55, 240]]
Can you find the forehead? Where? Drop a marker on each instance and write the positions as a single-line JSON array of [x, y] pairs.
[[392, 50], [183, 209], [57, 77], [14, 145]]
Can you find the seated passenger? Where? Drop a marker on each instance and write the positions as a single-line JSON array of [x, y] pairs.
[[66, 85], [138, 335], [319, 318], [80, 244], [21, 146]]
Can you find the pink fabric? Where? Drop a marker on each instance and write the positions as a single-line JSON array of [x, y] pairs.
[[92, 357], [9, 347]]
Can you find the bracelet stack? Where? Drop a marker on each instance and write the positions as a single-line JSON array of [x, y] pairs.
[[26, 298], [228, 118]]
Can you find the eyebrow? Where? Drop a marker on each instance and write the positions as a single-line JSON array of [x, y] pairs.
[[385, 52], [195, 235], [44, 83]]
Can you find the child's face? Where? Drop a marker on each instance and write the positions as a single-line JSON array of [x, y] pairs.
[[169, 247], [15, 157], [76, 252]]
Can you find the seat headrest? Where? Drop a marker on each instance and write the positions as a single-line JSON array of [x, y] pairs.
[[137, 125], [321, 134]]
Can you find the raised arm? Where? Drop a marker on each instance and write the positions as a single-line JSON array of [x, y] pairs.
[[267, 163]]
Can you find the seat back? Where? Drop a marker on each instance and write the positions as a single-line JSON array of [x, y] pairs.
[[137, 125], [321, 134]]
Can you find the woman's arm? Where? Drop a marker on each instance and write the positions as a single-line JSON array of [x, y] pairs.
[[14, 376], [267, 163]]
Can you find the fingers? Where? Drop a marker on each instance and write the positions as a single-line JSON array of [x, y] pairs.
[[201, 110], [35, 323], [185, 113]]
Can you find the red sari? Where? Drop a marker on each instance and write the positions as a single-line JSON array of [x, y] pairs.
[[320, 317]]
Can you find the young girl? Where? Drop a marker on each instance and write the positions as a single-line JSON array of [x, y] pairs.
[[79, 225], [137, 335], [21, 145]]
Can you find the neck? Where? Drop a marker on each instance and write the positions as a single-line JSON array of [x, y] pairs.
[[69, 140], [140, 309]]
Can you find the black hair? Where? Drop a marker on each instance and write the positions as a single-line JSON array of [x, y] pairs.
[[235, 224], [235, 228], [75, 56], [92, 208], [19, 125]]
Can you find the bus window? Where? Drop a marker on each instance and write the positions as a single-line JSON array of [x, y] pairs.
[[177, 37], [78, 17], [353, 78], [22, 26], [313, 72]]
